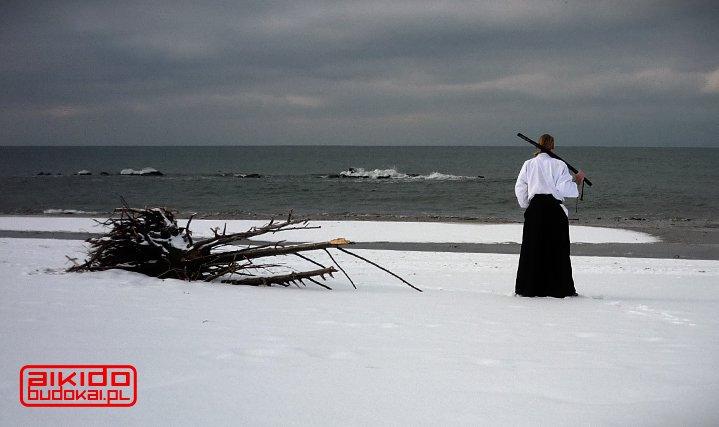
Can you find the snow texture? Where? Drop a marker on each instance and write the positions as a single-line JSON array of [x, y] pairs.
[[638, 347]]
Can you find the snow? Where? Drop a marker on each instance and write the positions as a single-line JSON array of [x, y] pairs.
[[178, 242], [638, 347], [357, 231]]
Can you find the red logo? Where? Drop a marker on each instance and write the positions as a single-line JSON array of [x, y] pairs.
[[78, 385]]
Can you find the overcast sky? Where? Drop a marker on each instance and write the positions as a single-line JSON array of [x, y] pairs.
[[359, 72]]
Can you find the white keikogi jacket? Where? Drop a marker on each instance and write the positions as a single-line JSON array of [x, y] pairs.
[[544, 175]]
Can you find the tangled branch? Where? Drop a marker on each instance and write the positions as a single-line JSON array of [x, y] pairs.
[[150, 242]]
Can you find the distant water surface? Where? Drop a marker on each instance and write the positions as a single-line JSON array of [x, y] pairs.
[[417, 182]]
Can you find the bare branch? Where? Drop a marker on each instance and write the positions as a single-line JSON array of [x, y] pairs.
[[149, 241], [341, 269], [279, 279], [380, 267]]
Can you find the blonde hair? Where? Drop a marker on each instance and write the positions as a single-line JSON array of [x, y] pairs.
[[547, 142]]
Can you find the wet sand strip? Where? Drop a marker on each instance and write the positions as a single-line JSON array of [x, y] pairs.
[[678, 250]]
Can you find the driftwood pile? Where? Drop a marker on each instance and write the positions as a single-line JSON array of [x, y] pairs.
[[149, 241]]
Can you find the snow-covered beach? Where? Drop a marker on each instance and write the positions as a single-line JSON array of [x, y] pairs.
[[357, 231], [483, 151], [638, 346]]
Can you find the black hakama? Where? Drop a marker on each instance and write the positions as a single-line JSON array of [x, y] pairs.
[[544, 265]]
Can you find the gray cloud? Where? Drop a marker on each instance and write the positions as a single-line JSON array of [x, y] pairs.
[[359, 72]]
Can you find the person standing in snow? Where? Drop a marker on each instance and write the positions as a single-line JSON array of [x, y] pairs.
[[544, 265]]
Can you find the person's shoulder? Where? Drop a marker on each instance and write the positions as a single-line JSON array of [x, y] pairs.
[[558, 162]]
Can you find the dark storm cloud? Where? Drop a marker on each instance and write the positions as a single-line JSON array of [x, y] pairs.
[[358, 72]]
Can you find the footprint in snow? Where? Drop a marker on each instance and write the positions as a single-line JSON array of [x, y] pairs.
[[585, 335], [342, 355], [226, 356], [260, 352], [643, 310], [487, 362]]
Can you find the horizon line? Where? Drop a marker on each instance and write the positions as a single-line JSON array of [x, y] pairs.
[[349, 145]]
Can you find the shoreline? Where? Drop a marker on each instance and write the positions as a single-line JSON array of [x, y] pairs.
[[685, 240], [612, 222], [679, 230], [660, 250]]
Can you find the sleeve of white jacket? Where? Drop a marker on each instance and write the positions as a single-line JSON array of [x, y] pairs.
[[565, 185], [520, 188]]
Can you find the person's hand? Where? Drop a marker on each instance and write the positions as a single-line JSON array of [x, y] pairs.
[[579, 177]]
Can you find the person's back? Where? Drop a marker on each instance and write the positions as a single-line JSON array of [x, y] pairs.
[[544, 265], [544, 175]]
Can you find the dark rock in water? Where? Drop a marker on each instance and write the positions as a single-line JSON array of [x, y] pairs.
[[43, 173], [412, 175], [84, 172], [104, 173], [480, 176], [384, 177], [248, 175]]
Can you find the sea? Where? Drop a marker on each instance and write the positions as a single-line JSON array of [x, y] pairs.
[[353, 182]]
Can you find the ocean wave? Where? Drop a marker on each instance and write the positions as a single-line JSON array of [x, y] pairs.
[[141, 172], [392, 173], [66, 212]]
